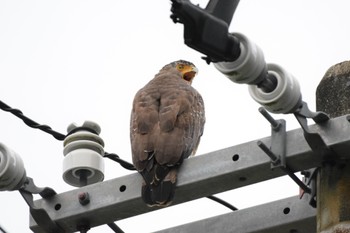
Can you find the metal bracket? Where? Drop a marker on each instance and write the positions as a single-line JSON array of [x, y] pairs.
[[39, 214], [206, 30], [277, 151], [314, 140], [317, 145]]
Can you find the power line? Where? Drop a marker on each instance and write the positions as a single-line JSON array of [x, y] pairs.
[[222, 202], [2, 230], [29, 122], [115, 228]]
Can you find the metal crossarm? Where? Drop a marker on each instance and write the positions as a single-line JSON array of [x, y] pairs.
[[200, 176], [288, 215]]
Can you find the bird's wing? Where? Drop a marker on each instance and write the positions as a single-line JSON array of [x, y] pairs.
[[143, 124], [167, 121], [199, 121], [181, 124]]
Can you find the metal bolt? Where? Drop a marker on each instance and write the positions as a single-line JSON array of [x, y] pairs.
[[84, 198], [275, 124], [275, 159], [348, 118]]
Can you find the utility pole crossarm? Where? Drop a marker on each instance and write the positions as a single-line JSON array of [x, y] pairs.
[[200, 176], [287, 215]]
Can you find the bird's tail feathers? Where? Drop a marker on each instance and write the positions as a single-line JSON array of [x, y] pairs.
[[160, 192]]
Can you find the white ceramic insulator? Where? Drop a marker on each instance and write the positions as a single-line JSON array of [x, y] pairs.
[[12, 172], [248, 66], [83, 151], [285, 98]]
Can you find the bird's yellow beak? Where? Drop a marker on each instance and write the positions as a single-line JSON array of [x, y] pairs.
[[188, 73]]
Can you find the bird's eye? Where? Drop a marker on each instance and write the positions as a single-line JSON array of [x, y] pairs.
[[180, 67]]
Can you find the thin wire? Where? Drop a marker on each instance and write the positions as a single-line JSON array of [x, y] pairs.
[[29, 122], [122, 163], [222, 202], [115, 227], [2, 230]]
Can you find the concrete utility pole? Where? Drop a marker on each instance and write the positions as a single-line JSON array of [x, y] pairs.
[[333, 194]]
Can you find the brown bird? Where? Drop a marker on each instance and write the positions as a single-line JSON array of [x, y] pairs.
[[167, 121]]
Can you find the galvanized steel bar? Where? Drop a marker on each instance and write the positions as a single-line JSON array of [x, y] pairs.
[[288, 215], [200, 176]]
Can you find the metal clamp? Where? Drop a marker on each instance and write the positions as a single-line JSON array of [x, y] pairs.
[[277, 151], [317, 145], [314, 139], [39, 214]]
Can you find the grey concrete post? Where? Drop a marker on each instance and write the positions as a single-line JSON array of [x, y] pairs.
[[333, 194]]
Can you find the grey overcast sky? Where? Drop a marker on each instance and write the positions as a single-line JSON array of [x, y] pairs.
[[70, 61]]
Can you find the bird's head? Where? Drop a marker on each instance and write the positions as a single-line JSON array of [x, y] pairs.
[[187, 69]]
